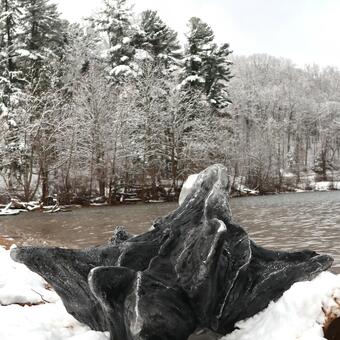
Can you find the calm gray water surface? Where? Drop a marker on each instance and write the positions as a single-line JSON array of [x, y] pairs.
[[287, 222]]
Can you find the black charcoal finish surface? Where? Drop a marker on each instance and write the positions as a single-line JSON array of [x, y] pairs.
[[194, 270]]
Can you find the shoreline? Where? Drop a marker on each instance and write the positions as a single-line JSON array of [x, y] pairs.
[[45, 209]]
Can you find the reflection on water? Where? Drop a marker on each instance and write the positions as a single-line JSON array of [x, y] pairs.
[[287, 222]]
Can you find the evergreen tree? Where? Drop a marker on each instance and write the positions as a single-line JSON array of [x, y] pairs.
[[200, 44], [9, 25], [206, 65], [10, 98], [43, 38], [218, 75], [115, 20], [158, 39], [43, 30]]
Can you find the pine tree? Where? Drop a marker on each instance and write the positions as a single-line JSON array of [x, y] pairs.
[[200, 44], [115, 20], [44, 31], [206, 66], [218, 75], [9, 25], [158, 39], [43, 38], [10, 88]]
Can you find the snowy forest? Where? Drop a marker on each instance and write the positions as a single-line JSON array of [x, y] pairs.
[[120, 103]]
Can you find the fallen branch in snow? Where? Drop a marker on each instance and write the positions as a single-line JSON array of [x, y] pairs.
[[7, 211], [42, 298]]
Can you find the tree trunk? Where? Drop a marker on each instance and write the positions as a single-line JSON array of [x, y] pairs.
[[174, 169], [324, 164], [297, 160], [289, 130], [44, 185], [102, 186]]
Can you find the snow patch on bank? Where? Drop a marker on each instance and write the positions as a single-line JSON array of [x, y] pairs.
[[31, 311], [19, 285], [326, 186], [43, 322], [298, 315]]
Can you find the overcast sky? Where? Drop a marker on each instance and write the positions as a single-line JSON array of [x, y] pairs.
[[305, 31]]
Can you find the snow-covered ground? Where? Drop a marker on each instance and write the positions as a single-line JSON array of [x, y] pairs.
[[30, 310], [326, 185], [299, 314]]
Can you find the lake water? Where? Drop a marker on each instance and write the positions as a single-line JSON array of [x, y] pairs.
[[287, 222]]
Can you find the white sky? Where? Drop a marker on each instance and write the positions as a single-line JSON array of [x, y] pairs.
[[305, 31]]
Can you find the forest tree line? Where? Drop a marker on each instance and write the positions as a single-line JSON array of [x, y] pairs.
[[118, 102]]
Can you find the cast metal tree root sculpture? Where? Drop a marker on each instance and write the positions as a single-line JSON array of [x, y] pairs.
[[195, 269]]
